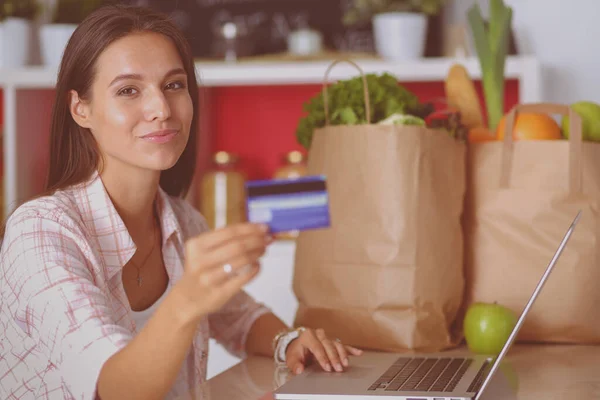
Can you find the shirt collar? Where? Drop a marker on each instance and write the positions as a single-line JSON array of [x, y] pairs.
[[167, 217], [115, 242]]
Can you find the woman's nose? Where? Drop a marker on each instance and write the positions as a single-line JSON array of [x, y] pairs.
[[157, 106]]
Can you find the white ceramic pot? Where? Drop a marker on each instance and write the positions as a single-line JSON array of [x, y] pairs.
[[305, 42], [14, 41], [400, 36], [53, 40]]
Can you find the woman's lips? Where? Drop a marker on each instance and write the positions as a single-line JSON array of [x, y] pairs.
[[163, 136]]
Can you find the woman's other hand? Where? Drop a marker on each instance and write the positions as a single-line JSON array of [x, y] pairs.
[[218, 264], [331, 355]]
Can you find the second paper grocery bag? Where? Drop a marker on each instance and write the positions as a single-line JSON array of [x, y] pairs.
[[388, 274], [522, 197]]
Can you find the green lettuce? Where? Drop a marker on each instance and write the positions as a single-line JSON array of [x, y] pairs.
[[347, 106]]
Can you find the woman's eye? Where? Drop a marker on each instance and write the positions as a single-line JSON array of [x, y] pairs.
[[176, 85], [126, 92]]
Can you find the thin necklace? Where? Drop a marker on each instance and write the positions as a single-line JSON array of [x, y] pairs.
[[139, 269]]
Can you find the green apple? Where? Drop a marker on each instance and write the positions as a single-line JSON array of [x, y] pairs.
[[590, 120], [487, 327]]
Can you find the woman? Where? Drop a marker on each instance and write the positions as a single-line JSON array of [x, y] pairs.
[[111, 283]]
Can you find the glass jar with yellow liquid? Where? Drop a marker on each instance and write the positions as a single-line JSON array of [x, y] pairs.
[[294, 166], [223, 192]]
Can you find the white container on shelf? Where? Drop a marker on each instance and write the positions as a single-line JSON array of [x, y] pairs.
[[14, 42], [400, 36], [305, 42], [53, 41]]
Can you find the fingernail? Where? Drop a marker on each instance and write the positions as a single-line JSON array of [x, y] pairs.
[[345, 362], [328, 367], [298, 370], [338, 367]]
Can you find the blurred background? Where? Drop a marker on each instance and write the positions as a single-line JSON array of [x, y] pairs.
[[560, 34]]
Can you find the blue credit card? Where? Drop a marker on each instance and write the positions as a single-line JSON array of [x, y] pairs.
[[285, 205]]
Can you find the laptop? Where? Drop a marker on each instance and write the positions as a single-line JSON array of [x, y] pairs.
[[437, 376]]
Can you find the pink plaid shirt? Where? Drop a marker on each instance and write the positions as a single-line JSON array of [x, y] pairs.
[[63, 309]]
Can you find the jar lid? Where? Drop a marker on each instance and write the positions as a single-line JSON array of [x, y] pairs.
[[294, 157], [224, 157]]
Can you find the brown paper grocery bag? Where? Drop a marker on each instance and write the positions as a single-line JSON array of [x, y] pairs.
[[522, 197], [388, 273]]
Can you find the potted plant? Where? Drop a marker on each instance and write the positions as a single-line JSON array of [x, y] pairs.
[[55, 35], [15, 31], [399, 26]]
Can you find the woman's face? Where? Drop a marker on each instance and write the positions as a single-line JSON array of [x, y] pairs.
[[140, 110]]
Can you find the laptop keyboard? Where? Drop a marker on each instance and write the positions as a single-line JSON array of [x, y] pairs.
[[423, 374], [478, 380]]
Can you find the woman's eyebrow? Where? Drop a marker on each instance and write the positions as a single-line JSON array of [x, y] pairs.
[[175, 71], [122, 77]]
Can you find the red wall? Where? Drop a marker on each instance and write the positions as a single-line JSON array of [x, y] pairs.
[[259, 123]]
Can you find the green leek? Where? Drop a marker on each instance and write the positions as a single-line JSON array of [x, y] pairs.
[[491, 45]]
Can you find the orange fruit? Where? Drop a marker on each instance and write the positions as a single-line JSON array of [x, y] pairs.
[[531, 126], [480, 134]]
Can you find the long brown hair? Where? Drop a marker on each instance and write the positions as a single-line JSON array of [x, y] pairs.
[[74, 154]]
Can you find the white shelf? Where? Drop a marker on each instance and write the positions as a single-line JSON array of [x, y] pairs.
[[287, 73], [282, 73]]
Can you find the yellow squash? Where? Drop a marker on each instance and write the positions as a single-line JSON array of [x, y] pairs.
[[461, 94]]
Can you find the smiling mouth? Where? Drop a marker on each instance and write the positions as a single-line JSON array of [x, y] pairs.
[[160, 136]]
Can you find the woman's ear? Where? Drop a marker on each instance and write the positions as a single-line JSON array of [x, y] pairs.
[[79, 110]]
